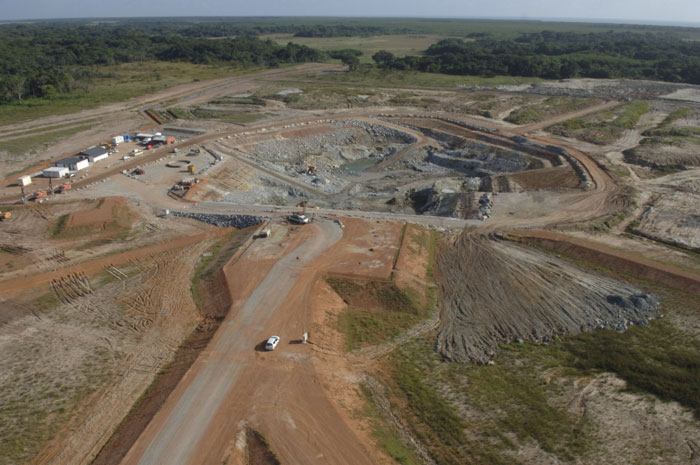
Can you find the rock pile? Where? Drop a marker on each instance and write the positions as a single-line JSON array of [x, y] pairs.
[[223, 221]]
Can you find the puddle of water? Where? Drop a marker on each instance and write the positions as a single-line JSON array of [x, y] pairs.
[[358, 166], [290, 92]]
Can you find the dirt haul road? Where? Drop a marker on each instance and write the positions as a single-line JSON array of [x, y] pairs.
[[567, 116], [234, 381]]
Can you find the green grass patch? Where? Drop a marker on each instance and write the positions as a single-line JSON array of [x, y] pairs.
[[398, 44], [549, 107], [510, 404], [374, 77], [418, 380], [377, 311], [214, 259], [524, 116], [180, 113], [46, 301], [605, 127], [228, 100], [231, 117], [658, 359], [523, 399], [677, 114], [117, 83], [428, 405], [662, 358], [33, 143], [206, 259], [631, 114], [386, 437], [59, 226], [525, 405], [53, 127], [116, 229], [35, 407]]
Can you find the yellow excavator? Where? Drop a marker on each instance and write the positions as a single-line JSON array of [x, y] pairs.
[[310, 168]]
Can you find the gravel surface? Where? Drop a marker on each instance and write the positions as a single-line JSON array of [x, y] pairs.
[[236, 221]]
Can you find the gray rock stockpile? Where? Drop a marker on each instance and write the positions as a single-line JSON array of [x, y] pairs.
[[481, 160], [495, 292], [224, 221]]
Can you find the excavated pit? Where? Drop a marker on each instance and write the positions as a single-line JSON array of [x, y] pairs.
[[495, 292], [356, 164]]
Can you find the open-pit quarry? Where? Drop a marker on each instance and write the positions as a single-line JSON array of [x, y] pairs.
[[454, 268]]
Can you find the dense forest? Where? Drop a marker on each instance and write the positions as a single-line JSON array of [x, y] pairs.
[[42, 60], [559, 55], [47, 58]]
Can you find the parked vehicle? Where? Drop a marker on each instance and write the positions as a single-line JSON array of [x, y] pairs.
[[298, 218], [272, 343]]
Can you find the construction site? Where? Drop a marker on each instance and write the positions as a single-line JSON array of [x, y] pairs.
[[437, 268]]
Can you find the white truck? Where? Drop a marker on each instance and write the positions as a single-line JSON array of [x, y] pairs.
[[298, 218]]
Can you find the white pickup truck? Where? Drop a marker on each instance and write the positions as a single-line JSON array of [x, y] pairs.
[[298, 218]]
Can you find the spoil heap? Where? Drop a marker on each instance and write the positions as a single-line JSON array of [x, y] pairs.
[[497, 293]]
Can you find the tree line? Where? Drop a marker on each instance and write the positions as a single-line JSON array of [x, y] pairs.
[[44, 60], [557, 55]]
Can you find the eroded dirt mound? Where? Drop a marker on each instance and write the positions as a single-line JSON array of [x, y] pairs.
[[494, 292], [109, 215]]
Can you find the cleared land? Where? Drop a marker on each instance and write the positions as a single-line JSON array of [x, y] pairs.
[[103, 294]]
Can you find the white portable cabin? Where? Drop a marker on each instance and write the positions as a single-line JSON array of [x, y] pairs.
[[74, 163], [24, 181], [56, 172], [117, 140], [95, 154]]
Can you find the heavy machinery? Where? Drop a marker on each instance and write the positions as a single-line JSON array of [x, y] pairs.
[[310, 168], [62, 188], [39, 195], [5, 216], [300, 217]]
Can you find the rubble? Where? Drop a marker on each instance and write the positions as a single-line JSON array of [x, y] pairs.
[[223, 221]]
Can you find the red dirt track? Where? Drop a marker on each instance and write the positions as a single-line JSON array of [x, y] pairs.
[[95, 266], [234, 383]]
